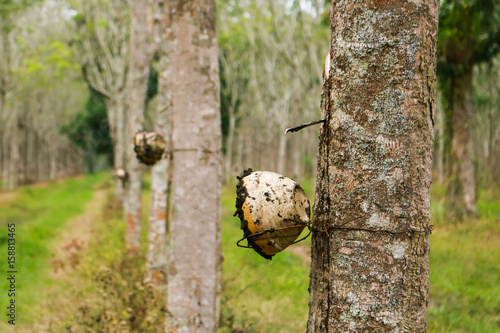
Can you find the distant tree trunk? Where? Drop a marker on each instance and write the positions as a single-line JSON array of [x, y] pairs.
[[284, 113], [491, 131], [374, 168], [29, 170], [439, 131], [103, 52], [117, 111], [5, 87], [137, 86], [230, 141], [194, 242], [462, 186], [5, 165], [156, 264], [14, 152]]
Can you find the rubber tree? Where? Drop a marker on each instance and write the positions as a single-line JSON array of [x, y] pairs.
[[156, 264], [370, 243], [137, 81], [101, 46], [468, 35], [194, 261], [9, 115]]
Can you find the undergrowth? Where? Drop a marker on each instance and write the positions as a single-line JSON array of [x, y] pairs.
[[118, 299], [104, 291], [121, 301], [40, 214]]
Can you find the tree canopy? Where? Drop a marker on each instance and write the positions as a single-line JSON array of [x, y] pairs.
[[469, 33]]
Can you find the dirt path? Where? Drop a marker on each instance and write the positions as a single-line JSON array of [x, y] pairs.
[[76, 235], [67, 249]]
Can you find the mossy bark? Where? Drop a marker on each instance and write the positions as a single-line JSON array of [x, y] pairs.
[[374, 164]]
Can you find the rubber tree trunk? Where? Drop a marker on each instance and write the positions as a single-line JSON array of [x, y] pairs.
[[374, 169], [462, 186], [156, 264], [14, 152], [137, 86], [5, 73], [116, 108], [439, 131], [230, 142], [194, 242]]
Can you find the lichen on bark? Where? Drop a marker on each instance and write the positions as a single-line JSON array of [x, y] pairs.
[[374, 164]]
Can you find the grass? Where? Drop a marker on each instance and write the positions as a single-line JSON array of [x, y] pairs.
[[39, 213], [115, 297], [464, 271], [258, 295]]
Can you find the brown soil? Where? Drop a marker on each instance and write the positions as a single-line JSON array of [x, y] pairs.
[[76, 236]]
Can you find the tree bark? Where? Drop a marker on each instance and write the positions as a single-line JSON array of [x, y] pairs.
[[156, 264], [439, 131], [462, 186], [284, 114], [5, 88], [370, 245], [491, 131], [14, 151], [230, 142], [137, 85], [103, 52], [117, 111], [194, 242]]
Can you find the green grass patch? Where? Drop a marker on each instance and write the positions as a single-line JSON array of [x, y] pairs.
[[39, 214], [464, 294], [114, 296], [259, 295], [465, 277]]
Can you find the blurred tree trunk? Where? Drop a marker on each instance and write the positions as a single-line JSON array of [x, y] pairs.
[[102, 49], [462, 186], [14, 149], [156, 264], [468, 36], [374, 166], [230, 85], [138, 73], [194, 240], [28, 169], [491, 130], [5, 88], [271, 62], [117, 111], [230, 141], [283, 114], [440, 138]]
